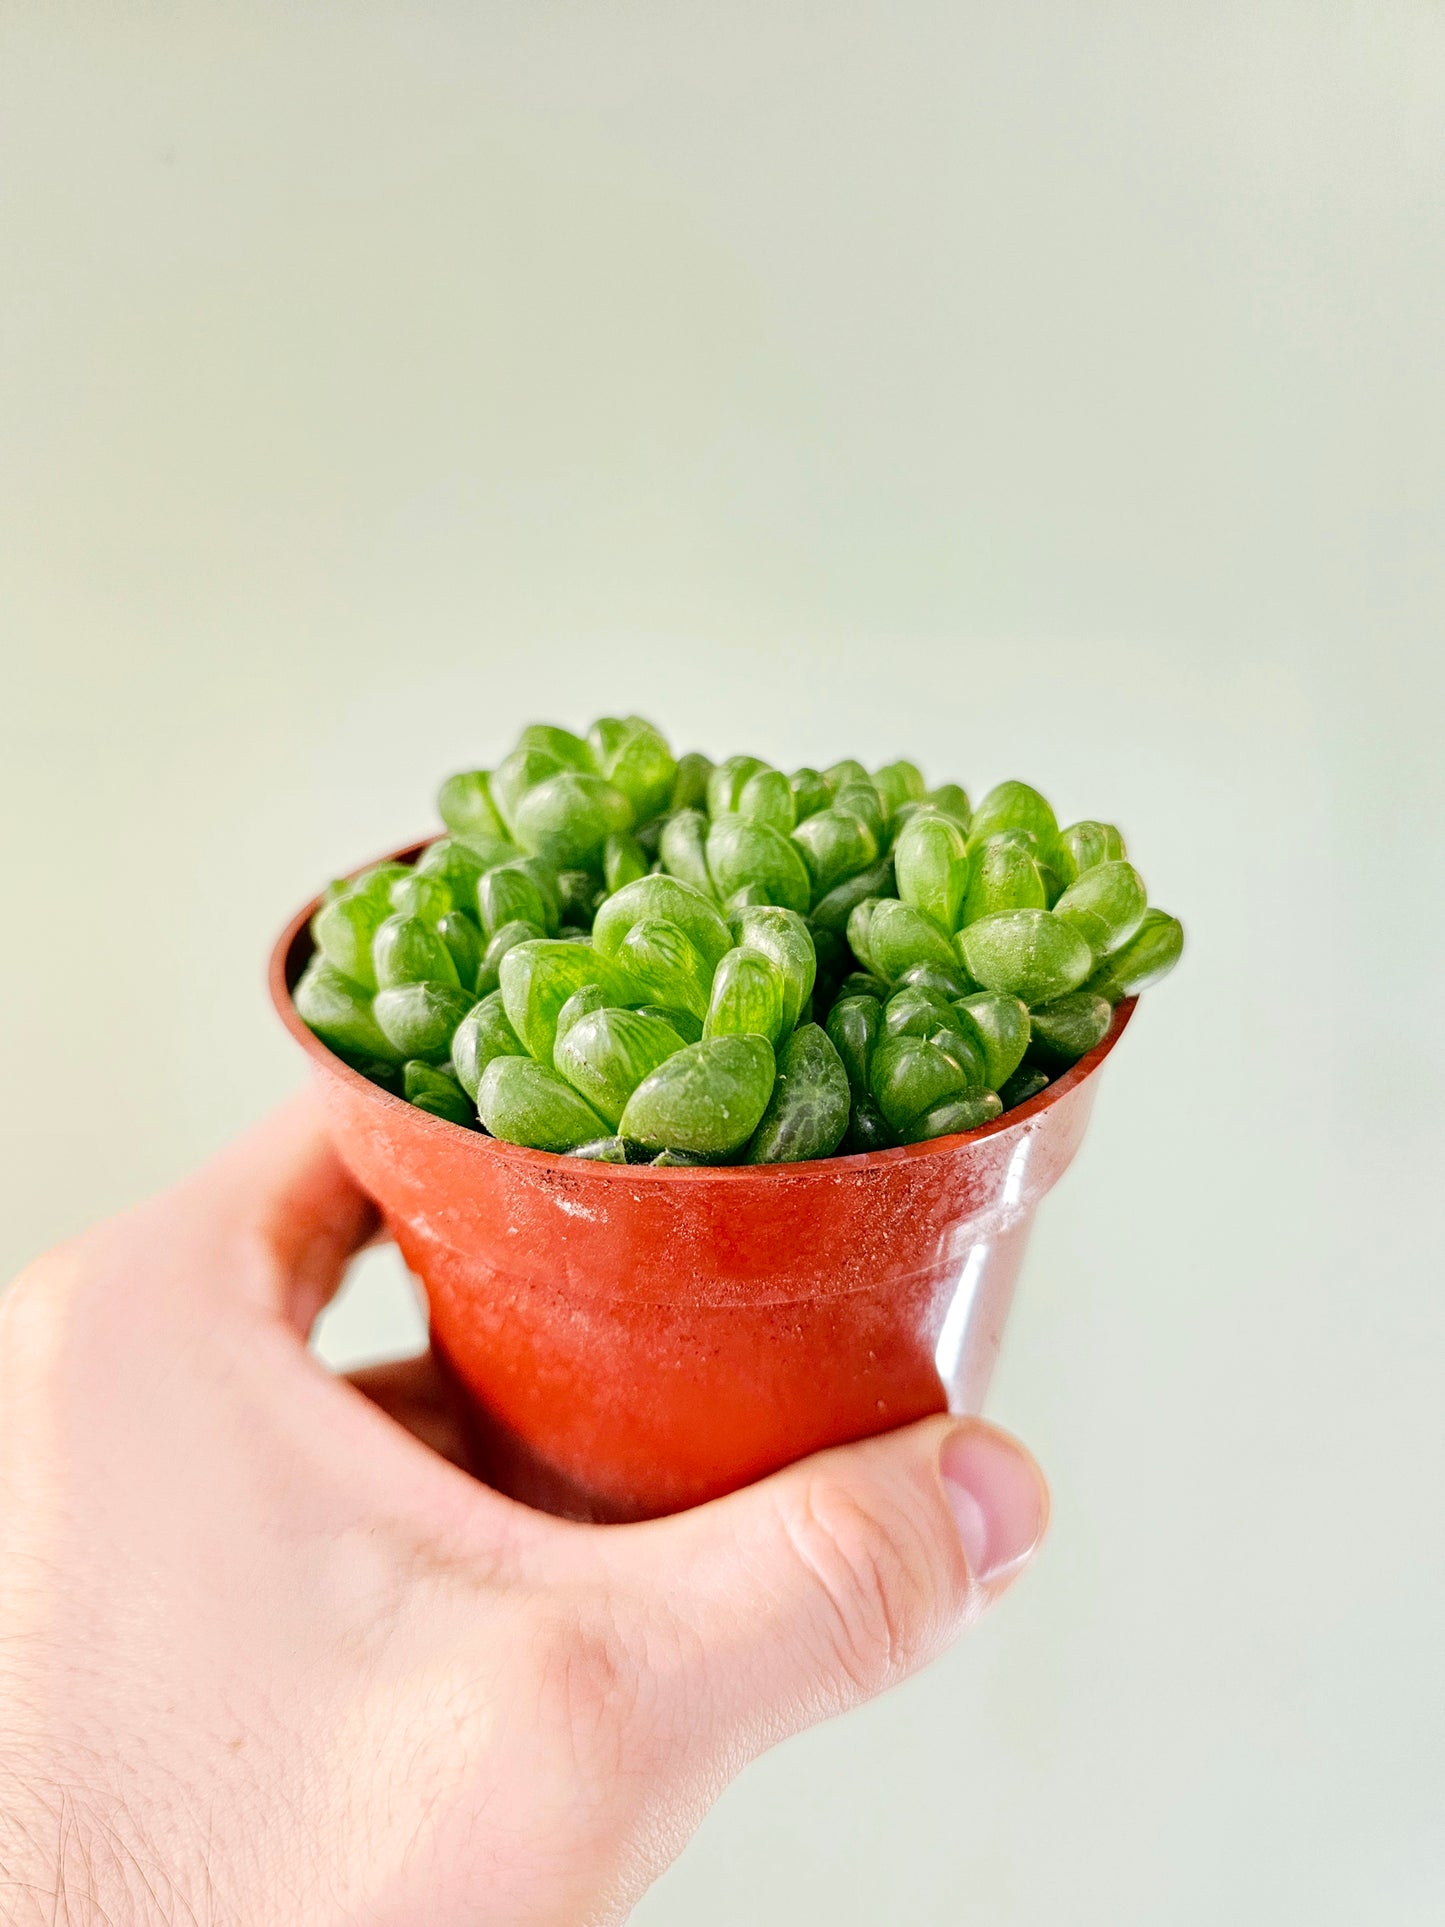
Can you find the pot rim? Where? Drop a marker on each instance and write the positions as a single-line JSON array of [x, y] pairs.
[[293, 950]]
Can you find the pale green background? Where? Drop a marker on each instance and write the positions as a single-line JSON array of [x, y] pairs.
[[1041, 389]]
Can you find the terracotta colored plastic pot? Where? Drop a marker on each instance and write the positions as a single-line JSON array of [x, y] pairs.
[[635, 1341]]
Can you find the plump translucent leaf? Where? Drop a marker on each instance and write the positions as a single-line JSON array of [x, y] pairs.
[[1070, 1026], [954, 1115], [421, 894], [419, 1019], [807, 1114], [683, 849], [344, 930], [835, 844], [1025, 1083], [834, 910], [1031, 954], [838, 775], [407, 951], [437, 1091], [854, 1026], [900, 937], [810, 793], [339, 1011], [899, 783], [515, 776], [909, 1075], [930, 860], [580, 1004], [725, 784], [568, 818], [524, 1102], [689, 785], [567, 748], [687, 1026], [1004, 875], [538, 977], [661, 958], [740, 852], [1086, 844], [484, 1033], [637, 761], [707, 1098], [672, 900], [1106, 906], [1000, 1024], [606, 1054], [464, 940], [507, 894], [747, 997], [868, 1129], [1013, 806], [465, 805], [507, 938], [783, 936], [623, 860], [1151, 953]]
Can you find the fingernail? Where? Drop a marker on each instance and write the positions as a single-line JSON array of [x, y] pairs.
[[999, 1500]]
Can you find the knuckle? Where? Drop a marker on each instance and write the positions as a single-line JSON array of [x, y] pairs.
[[877, 1578]]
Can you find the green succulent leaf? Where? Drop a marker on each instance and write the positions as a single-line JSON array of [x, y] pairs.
[[1068, 1028], [539, 976], [835, 845], [747, 997], [689, 786], [808, 1111], [854, 1026], [1000, 1025], [661, 958], [900, 937], [1031, 954], [405, 950], [954, 1115], [606, 1054], [930, 860], [767, 797], [343, 930], [339, 1010], [1106, 906], [1013, 806], [568, 818], [1151, 953], [1005, 876], [909, 1075], [726, 783], [673, 901], [708, 1098], [524, 1102], [465, 805], [740, 852], [783, 936], [484, 1033], [419, 1019]]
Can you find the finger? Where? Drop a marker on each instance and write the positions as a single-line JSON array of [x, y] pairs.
[[821, 1586], [420, 1397], [276, 1217]]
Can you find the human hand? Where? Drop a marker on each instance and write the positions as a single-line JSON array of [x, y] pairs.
[[268, 1655]]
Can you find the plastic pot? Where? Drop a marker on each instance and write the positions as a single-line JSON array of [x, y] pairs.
[[633, 1341]]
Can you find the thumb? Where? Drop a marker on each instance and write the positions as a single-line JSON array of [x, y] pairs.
[[828, 1582]]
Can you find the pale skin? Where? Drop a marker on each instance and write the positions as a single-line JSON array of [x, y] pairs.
[[269, 1654]]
